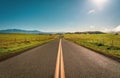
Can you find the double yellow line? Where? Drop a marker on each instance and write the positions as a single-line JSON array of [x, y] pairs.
[[59, 71]]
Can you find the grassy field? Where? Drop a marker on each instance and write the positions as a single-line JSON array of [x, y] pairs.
[[13, 43], [105, 43]]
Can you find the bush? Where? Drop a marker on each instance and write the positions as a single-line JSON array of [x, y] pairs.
[[26, 42], [99, 44]]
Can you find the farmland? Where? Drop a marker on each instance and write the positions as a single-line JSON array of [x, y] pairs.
[[108, 44], [14, 43]]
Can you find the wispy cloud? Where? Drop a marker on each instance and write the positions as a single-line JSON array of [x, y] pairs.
[[93, 11]]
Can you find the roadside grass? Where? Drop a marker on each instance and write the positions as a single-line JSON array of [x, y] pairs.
[[11, 44], [108, 44]]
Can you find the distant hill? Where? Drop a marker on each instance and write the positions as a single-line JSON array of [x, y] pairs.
[[20, 31], [90, 32]]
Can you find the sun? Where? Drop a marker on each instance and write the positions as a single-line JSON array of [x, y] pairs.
[[99, 3]]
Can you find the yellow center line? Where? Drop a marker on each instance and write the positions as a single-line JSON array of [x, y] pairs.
[[59, 71], [62, 64]]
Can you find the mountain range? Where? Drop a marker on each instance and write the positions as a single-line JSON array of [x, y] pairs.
[[20, 31]]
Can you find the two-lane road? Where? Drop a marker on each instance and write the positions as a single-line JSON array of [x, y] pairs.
[[76, 61], [83, 63], [39, 62]]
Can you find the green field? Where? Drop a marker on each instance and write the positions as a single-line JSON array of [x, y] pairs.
[[108, 44], [13, 43]]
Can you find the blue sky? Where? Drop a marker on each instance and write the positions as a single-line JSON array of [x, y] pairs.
[[60, 15]]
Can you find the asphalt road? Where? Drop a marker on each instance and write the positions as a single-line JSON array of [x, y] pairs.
[[79, 62], [39, 62]]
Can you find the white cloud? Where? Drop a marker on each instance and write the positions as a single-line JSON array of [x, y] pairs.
[[106, 30], [93, 11], [116, 29], [98, 28], [92, 26]]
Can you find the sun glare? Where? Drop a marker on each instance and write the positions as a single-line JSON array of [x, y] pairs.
[[99, 3]]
